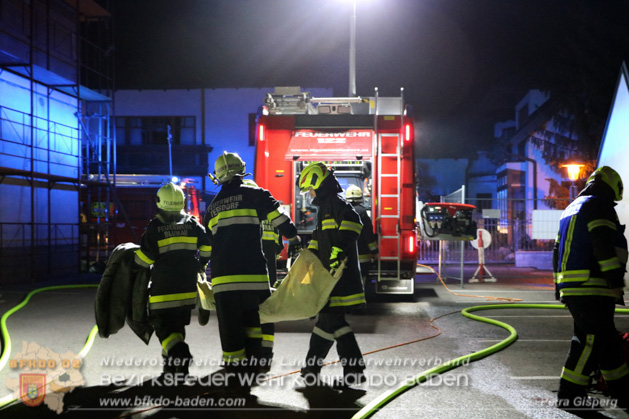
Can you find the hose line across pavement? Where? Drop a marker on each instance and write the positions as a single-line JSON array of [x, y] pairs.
[[372, 407], [6, 339], [369, 409]]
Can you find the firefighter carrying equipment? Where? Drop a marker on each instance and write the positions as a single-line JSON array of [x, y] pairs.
[[303, 293], [338, 225], [172, 250], [226, 167], [312, 176], [170, 197], [240, 279], [122, 295], [233, 223]]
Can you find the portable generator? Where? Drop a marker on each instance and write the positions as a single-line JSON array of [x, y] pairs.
[[447, 221]]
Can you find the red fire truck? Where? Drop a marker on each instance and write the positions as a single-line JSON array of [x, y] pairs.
[[369, 143], [133, 205]]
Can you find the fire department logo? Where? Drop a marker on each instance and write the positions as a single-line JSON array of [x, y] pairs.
[[40, 376], [32, 389]]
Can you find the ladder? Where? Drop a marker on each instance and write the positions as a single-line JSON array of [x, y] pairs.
[[389, 206], [389, 201]]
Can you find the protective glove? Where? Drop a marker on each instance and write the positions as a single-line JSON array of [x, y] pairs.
[[618, 296], [336, 257], [294, 246]]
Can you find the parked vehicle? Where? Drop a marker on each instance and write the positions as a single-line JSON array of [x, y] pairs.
[[132, 205], [369, 143]]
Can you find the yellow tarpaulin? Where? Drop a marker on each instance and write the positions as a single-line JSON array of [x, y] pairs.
[[206, 296], [303, 293]]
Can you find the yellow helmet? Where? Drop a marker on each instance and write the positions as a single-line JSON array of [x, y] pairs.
[[227, 166], [354, 193], [312, 176], [611, 178], [170, 197]]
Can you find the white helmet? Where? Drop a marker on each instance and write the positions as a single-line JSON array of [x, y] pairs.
[[354, 194], [170, 197]]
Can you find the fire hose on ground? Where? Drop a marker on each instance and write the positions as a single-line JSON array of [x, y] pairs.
[[373, 406]]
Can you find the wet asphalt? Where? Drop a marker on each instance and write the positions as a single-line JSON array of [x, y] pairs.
[[402, 338]]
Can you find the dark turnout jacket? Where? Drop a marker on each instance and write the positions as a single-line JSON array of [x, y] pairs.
[[233, 223], [338, 225], [590, 252], [122, 295], [177, 251], [367, 242]]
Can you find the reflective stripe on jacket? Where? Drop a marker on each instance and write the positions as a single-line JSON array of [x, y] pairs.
[[233, 222], [177, 252], [585, 259], [339, 225]]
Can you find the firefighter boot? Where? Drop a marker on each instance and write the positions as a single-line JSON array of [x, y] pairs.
[[352, 361], [181, 358], [319, 348], [167, 377], [573, 398], [265, 360], [619, 391]]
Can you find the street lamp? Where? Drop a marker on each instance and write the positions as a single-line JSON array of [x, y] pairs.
[[574, 170], [352, 52]]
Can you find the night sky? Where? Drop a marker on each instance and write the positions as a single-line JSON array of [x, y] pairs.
[[464, 64]]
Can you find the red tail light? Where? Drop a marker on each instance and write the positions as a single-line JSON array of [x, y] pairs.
[[408, 132], [261, 132], [411, 243]]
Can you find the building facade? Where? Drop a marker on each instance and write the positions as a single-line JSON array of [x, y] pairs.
[[203, 124], [56, 87]]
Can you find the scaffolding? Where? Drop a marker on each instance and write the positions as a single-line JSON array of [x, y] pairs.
[[56, 136]]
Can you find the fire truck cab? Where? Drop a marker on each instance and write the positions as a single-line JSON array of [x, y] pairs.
[[369, 143]]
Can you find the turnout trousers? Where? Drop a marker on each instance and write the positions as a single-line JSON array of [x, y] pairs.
[[170, 328], [239, 327], [332, 327], [595, 344]]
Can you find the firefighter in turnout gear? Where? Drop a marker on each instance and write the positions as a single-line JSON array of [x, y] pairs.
[[271, 247], [333, 240], [271, 243], [176, 246], [589, 262], [367, 241], [240, 280]]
